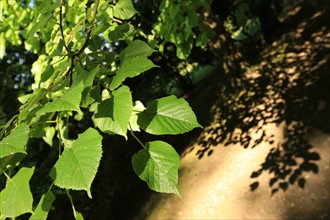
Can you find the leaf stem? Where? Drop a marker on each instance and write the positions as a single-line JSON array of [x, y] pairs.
[[51, 186], [8, 177], [136, 138], [72, 205], [45, 122]]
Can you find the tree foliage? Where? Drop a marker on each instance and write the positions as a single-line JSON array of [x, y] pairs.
[[84, 53], [75, 72]]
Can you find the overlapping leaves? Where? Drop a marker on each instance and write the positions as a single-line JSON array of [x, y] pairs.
[[71, 76], [134, 61], [70, 101], [113, 114]]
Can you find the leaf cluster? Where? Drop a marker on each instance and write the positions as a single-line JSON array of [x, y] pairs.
[[79, 74]]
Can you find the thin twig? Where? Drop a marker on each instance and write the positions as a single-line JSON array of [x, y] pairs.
[[72, 205], [61, 27]]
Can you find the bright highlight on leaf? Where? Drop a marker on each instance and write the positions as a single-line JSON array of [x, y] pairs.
[[158, 165], [68, 102], [137, 108], [15, 142], [113, 114], [168, 115], [124, 9], [77, 166], [16, 199]]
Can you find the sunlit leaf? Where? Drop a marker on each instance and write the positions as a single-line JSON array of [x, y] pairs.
[[68, 102], [167, 115], [82, 75], [124, 9], [78, 216], [136, 48], [137, 108], [49, 135], [77, 166], [158, 165], [15, 142], [31, 103], [121, 32], [113, 114], [16, 198], [131, 68]]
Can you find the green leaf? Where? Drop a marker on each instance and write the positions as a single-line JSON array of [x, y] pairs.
[[113, 114], [158, 165], [137, 108], [47, 73], [44, 205], [78, 216], [124, 9], [32, 101], [11, 162], [121, 32], [136, 48], [49, 135], [43, 14], [240, 14], [82, 75], [129, 69], [77, 166], [168, 115], [15, 142], [35, 98], [89, 95], [16, 198], [68, 102], [35, 26], [38, 130]]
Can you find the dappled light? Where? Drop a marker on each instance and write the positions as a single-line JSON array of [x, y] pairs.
[[265, 153], [290, 85]]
